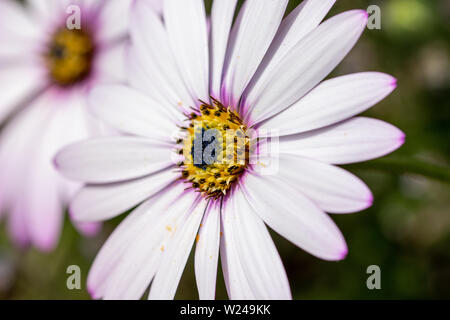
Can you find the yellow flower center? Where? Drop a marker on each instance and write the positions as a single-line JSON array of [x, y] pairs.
[[69, 56], [215, 149]]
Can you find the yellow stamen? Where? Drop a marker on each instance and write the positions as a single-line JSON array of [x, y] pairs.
[[69, 56], [231, 147]]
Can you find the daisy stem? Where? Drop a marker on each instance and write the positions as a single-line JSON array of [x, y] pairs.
[[403, 165]]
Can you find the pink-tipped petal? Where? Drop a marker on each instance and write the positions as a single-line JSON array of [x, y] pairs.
[[331, 188], [355, 140], [333, 101], [294, 216], [308, 63]]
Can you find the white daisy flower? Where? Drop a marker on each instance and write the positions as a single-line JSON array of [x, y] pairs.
[[52, 52], [260, 73]]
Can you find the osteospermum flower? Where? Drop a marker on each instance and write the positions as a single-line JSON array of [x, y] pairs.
[[51, 53], [224, 93]]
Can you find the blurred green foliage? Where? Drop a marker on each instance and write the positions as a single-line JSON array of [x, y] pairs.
[[406, 232]]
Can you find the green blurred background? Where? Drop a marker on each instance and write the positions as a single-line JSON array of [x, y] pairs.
[[406, 232]]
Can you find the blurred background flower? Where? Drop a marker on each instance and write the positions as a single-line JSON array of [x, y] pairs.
[[406, 232]]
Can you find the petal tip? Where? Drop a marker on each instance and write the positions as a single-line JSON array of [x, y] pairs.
[[370, 200], [343, 254], [91, 292], [402, 138], [363, 14], [394, 83], [46, 245]]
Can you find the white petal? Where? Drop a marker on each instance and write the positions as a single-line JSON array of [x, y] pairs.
[[47, 11], [207, 253], [331, 188], [355, 140], [252, 33], [308, 63], [236, 282], [20, 35], [114, 20], [102, 202], [301, 21], [130, 258], [88, 229], [156, 60], [166, 280], [222, 14], [333, 101], [132, 112], [43, 206], [295, 217], [110, 64], [186, 27], [14, 97], [107, 160], [257, 253]]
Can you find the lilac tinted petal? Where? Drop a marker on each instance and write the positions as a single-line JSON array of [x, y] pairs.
[[301, 21], [129, 259], [156, 62], [355, 140], [222, 14], [308, 63], [250, 38], [295, 217], [48, 11], [114, 20], [331, 188], [17, 226], [166, 280], [102, 202], [41, 194], [186, 27], [333, 101], [88, 229], [32, 82], [19, 34], [258, 255], [207, 253], [107, 160], [132, 112], [110, 64]]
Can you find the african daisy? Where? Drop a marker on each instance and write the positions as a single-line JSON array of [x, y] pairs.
[[47, 65], [198, 147]]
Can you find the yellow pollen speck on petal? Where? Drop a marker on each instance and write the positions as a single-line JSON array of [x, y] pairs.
[[168, 228], [162, 248], [216, 149], [197, 238]]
